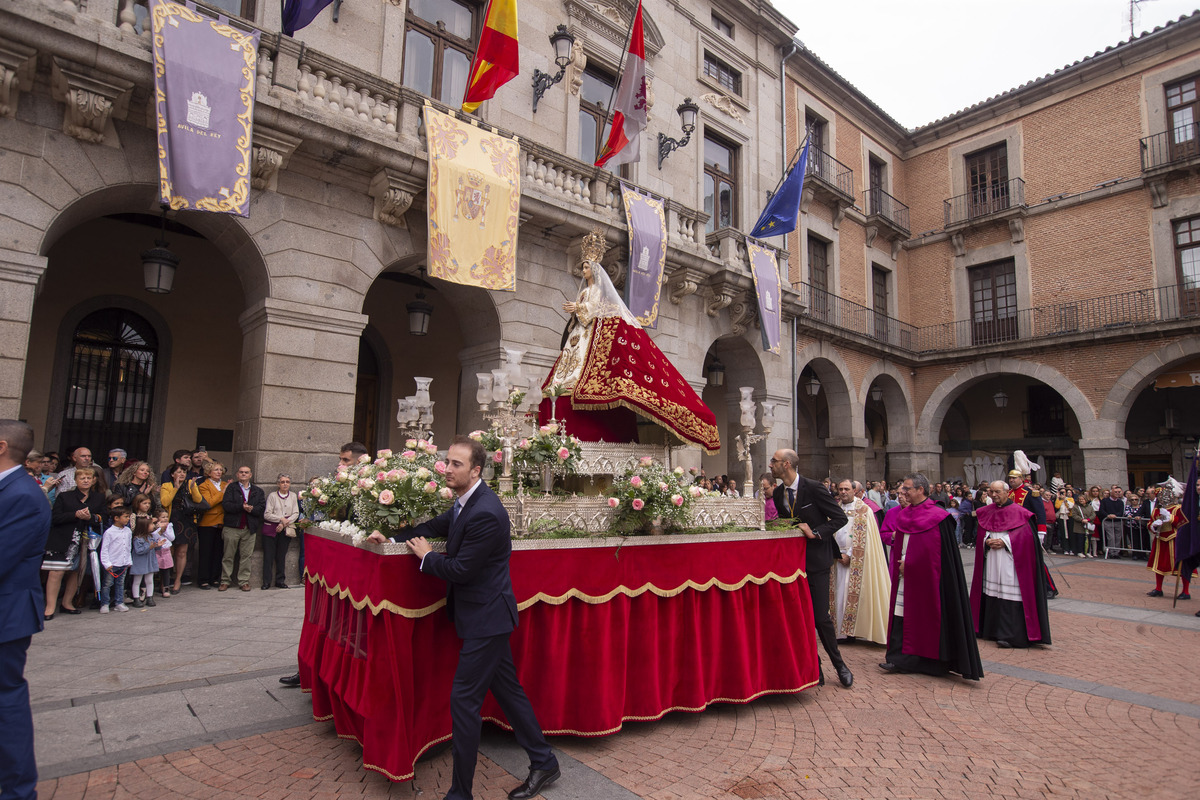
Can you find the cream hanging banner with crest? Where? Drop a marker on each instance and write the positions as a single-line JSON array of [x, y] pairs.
[[474, 202]]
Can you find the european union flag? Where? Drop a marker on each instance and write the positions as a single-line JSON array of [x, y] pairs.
[[298, 13], [779, 217]]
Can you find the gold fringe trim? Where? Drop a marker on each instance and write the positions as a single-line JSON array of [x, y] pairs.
[[663, 713], [358, 605], [556, 600]]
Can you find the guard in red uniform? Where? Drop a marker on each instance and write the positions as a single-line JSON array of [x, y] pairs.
[[1168, 518], [1022, 495]]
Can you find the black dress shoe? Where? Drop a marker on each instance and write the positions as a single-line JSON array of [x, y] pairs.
[[888, 666], [1154, 593], [290, 680], [538, 779], [846, 677], [266, 586], [71, 611], [47, 617], [1003, 645], [281, 586], [1184, 596]]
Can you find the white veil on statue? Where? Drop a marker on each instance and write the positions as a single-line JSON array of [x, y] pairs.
[[608, 302]]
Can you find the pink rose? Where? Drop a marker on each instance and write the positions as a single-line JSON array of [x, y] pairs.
[[476, 435], [635, 481], [431, 487], [646, 461], [677, 499], [401, 474], [386, 497], [613, 502], [564, 453], [638, 505], [380, 462], [445, 493], [523, 444], [410, 443], [322, 502], [440, 467], [315, 492], [498, 456], [408, 455], [662, 487]]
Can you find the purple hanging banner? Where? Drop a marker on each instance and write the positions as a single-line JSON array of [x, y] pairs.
[[766, 285], [647, 253], [204, 74]]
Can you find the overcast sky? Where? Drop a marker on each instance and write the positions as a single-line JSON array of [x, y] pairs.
[[920, 60]]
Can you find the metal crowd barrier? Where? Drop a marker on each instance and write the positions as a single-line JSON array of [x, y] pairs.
[[1126, 534]]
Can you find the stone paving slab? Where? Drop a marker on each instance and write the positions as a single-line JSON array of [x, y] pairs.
[[1057, 721]]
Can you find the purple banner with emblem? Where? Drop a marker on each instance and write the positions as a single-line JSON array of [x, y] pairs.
[[647, 253], [204, 73], [766, 285]]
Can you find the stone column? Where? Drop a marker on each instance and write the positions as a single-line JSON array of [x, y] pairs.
[[847, 457], [296, 394], [1104, 461], [907, 458], [19, 276]]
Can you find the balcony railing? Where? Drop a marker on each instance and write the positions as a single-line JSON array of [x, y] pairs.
[[1171, 147], [1098, 314], [881, 204], [830, 171], [826, 307], [985, 201], [1112, 312]]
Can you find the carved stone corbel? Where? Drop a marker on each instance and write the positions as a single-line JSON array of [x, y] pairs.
[[839, 214], [958, 243], [682, 282], [91, 100], [897, 245], [271, 151], [615, 263], [871, 232], [575, 68], [1158, 193], [394, 194], [17, 63], [1016, 229], [720, 295], [742, 313], [806, 197]]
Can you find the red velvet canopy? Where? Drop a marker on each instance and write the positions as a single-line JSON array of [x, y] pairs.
[[606, 634], [625, 368]]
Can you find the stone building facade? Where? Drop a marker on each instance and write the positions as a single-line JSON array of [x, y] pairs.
[[1017, 274], [285, 334], [1028, 246]]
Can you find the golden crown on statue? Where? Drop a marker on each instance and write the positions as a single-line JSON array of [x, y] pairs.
[[594, 246]]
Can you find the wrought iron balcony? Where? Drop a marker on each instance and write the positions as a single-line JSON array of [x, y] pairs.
[[1098, 314], [986, 201], [1171, 148], [829, 177], [838, 312], [883, 208], [1110, 313]]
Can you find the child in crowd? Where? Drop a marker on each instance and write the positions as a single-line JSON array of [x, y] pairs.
[[163, 535], [115, 559], [144, 564]]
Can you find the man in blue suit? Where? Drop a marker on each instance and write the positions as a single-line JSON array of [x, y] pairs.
[[480, 600], [24, 523]]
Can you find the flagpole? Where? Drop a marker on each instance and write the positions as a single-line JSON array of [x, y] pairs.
[[600, 140]]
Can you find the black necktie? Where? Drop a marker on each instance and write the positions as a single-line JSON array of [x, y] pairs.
[[791, 499], [455, 512]]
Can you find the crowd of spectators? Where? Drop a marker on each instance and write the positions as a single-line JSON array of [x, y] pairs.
[[124, 530]]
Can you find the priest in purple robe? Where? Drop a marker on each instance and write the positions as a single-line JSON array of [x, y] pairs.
[[1008, 593], [931, 629]]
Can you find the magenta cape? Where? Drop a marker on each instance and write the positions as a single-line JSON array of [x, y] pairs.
[[1013, 520], [887, 528], [923, 576]]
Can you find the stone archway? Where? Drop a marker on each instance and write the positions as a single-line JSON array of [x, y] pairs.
[[897, 407], [846, 441], [742, 368], [934, 411], [1120, 398]]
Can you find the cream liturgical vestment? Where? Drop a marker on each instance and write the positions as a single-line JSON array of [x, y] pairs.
[[860, 592]]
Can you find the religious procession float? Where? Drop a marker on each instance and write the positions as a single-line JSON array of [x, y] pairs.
[[614, 625]]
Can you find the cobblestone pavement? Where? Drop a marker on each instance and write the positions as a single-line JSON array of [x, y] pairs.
[[181, 701]]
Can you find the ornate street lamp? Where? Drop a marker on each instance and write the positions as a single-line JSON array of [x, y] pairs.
[[687, 116], [563, 41]]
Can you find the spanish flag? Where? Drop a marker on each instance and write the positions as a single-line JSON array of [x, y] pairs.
[[496, 57]]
